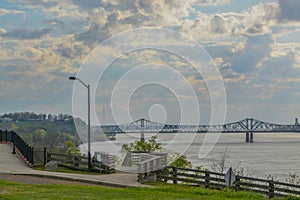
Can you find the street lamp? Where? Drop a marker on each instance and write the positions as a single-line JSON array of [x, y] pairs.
[[89, 119]]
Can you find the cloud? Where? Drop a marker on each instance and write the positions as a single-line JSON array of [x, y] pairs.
[[37, 3], [256, 50], [289, 10], [3, 11], [55, 22], [241, 42], [118, 16], [87, 4], [26, 34], [218, 24], [211, 2], [15, 12], [2, 31]]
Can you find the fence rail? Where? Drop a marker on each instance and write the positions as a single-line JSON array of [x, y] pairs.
[[24, 149], [79, 162], [209, 179]]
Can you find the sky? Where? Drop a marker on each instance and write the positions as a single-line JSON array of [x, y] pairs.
[[253, 44]]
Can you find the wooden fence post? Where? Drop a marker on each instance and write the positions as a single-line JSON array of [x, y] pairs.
[[271, 189], [174, 173], [45, 156], [6, 137], [237, 183], [207, 178]]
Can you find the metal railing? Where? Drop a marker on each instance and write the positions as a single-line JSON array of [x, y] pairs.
[[18, 144]]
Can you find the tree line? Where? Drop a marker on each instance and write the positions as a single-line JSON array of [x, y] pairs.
[[56, 132], [31, 116]]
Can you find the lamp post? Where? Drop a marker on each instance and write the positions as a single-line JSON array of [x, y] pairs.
[[89, 119]]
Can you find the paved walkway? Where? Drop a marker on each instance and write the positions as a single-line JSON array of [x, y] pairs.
[[12, 164]]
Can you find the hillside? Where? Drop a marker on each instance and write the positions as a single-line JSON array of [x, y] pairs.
[[42, 130]]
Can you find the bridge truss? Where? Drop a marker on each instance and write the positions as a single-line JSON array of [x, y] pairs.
[[248, 126], [245, 125]]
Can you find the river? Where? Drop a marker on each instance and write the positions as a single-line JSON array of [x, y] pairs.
[[275, 154]]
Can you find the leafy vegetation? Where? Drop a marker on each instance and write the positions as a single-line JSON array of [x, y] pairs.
[[143, 146], [66, 170], [40, 134], [55, 132], [31, 116], [153, 146], [9, 190], [182, 162]]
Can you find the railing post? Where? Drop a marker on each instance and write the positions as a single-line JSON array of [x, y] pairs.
[[207, 178], [45, 156], [271, 189], [31, 155], [14, 149], [174, 174], [12, 140], [13, 143]]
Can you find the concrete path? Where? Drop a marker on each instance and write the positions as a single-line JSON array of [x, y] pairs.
[[12, 164]]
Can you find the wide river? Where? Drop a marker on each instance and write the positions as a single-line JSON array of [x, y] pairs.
[[275, 154]]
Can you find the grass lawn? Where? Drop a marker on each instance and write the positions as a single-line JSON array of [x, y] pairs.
[[9, 190], [66, 170]]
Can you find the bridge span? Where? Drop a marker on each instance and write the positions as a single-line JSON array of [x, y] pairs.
[[247, 126]]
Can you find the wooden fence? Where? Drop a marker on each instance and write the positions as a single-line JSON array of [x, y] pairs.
[[133, 158], [144, 163], [79, 162], [107, 162], [209, 179]]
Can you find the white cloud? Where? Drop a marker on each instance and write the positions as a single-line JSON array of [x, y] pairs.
[[243, 44], [2, 31], [15, 12], [3, 11], [210, 2]]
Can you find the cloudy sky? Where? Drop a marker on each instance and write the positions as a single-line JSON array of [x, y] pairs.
[[254, 44]]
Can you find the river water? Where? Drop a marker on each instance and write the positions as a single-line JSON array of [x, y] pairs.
[[275, 154]]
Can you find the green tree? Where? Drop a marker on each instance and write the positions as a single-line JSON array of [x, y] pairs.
[[182, 162], [151, 146], [38, 137], [14, 127], [143, 146], [53, 138], [70, 148]]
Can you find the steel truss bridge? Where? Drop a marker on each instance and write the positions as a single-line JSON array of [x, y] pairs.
[[248, 126]]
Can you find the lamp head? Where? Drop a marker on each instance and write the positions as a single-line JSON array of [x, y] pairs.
[[72, 78]]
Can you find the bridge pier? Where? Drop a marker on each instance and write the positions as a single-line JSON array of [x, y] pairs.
[[143, 130], [247, 137], [251, 137]]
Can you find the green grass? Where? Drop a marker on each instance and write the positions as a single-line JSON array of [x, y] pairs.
[[9, 190], [66, 170]]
